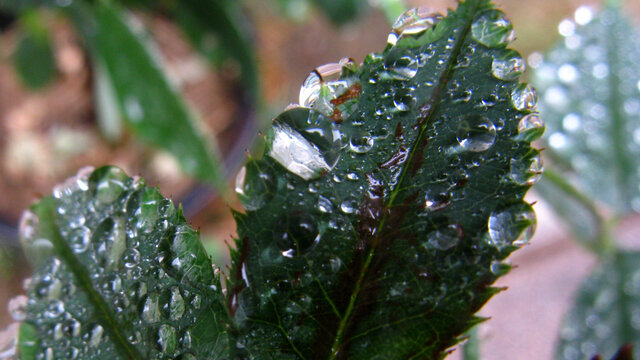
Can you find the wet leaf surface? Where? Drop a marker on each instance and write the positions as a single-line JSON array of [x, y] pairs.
[[378, 216], [118, 274]]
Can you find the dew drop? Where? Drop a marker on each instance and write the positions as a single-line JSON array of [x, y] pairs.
[[296, 234], [108, 183], [400, 65], [254, 185], [476, 133], [525, 174], [167, 338], [530, 127], [435, 200], [96, 335], [361, 142], [176, 307], [413, 23], [348, 207], [310, 90], [151, 310], [524, 97], [493, 29], [514, 225], [498, 268], [325, 205], [445, 238], [305, 142], [508, 65]]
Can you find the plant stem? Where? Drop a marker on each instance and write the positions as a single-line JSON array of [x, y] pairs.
[[392, 9], [603, 244], [471, 349]]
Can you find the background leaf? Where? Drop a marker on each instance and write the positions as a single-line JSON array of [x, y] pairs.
[[33, 58], [118, 274], [606, 313], [590, 86], [402, 183], [151, 107]]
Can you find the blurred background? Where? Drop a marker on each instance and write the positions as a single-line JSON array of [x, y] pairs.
[[62, 117]]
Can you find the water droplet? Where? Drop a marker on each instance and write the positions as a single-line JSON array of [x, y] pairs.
[[476, 133], [348, 206], [413, 23], [325, 205], [310, 90], [361, 142], [524, 97], [176, 307], [498, 268], [600, 70], [96, 335], [352, 176], [566, 28], [526, 173], [254, 185], [305, 142], [296, 234], [530, 128], [508, 65], [583, 15], [558, 140], [151, 309], [514, 225], [567, 73], [400, 65], [108, 183], [167, 339], [493, 29], [445, 238], [571, 122], [436, 200]]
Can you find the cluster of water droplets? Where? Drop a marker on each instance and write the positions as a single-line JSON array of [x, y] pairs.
[[590, 79], [139, 261]]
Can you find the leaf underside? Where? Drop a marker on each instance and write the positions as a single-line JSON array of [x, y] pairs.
[[606, 313], [387, 254], [590, 87], [118, 274]]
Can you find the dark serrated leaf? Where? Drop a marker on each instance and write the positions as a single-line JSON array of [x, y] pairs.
[[590, 86], [149, 104], [376, 220], [118, 274], [606, 312]]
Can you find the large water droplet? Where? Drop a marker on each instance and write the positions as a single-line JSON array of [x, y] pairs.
[[151, 309], [167, 338], [325, 205], [176, 306], [108, 183], [526, 172], [361, 142], [413, 23], [304, 142], [296, 234], [524, 97], [310, 89], [493, 29], [401, 64], [96, 335], [476, 133], [530, 127], [254, 185], [508, 65], [514, 225], [445, 238]]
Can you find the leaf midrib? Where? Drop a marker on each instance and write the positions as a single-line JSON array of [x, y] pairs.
[[104, 316], [415, 148]]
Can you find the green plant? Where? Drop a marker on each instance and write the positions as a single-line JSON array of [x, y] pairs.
[[591, 90], [375, 223]]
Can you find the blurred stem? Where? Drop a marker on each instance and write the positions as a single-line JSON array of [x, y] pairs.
[[471, 349], [392, 9], [603, 244]]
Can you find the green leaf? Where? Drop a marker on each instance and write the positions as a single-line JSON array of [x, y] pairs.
[[127, 278], [108, 113], [33, 58], [226, 20], [606, 312], [377, 219], [590, 86], [151, 107]]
